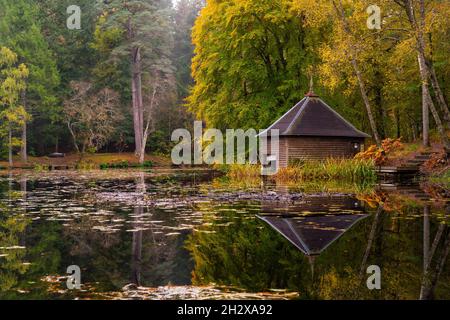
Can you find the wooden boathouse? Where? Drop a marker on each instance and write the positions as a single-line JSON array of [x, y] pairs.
[[312, 130]]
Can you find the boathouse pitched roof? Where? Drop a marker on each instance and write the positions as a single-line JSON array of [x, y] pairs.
[[312, 234], [311, 116]]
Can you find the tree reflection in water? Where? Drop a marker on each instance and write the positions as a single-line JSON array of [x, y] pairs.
[[432, 273], [319, 245], [274, 254], [12, 249]]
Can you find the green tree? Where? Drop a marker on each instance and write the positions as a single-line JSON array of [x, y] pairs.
[[186, 12], [146, 43], [419, 27], [20, 31], [251, 62], [12, 82]]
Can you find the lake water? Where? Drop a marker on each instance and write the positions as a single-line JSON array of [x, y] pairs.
[[187, 234]]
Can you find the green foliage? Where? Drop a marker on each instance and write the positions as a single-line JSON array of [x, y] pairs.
[[12, 83], [160, 143], [135, 24], [85, 165], [244, 255], [12, 226], [125, 164], [41, 167], [21, 31], [250, 64], [253, 59], [147, 164]]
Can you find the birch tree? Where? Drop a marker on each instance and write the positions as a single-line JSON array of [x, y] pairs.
[[418, 26]]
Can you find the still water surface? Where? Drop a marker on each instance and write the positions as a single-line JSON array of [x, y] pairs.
[[191, 235]]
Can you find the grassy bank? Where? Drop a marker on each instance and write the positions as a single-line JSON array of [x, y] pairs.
[[351, 170], [331, 169], [89, 161]]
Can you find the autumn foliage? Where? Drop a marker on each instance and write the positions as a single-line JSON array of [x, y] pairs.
[[380, 154]]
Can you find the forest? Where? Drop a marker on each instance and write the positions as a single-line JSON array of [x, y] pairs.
[[65, 89], [94, 205], [120, 76]]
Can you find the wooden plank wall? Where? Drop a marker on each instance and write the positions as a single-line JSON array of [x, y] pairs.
[[317, 148]]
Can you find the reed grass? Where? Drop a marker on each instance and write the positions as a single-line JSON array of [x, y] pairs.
[[242, 171], [331, 169], [351, 170]]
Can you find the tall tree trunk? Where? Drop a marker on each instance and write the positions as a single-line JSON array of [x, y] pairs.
[[136, 249], [428, 280], [370, 240], [72, 133], [425, 109], [139, 96], [436, 87], [23, 149], [10, 155], [147, 127], [354, 62], [426, 237], [438, 121], [136, 91], [363, 90], [423, 71], [431, 277], [381, 112], [439, 95], [427, 102], [397, 122]]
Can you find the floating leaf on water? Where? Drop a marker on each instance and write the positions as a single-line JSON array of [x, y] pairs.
[[173, 234], [204, 231]]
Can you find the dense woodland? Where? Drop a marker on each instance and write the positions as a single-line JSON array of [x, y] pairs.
[[72, 90], [137, 70]]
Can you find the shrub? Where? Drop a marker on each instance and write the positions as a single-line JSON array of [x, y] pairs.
[[41, 167], [147, 164], [123, 164], [85, 165], [380, 155]]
